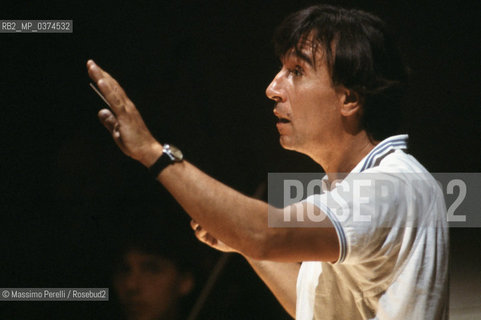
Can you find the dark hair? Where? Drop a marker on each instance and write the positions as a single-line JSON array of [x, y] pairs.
[[177, 252], [365, 59], [154, 232]]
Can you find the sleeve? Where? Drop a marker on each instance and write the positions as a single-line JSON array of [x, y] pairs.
[[366, 212]]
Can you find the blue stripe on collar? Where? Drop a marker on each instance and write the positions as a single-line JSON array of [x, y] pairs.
[[383, 148]]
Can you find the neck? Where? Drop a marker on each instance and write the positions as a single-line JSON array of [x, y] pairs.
[[343, 153]]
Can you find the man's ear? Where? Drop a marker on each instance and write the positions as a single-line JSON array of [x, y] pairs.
[[351, 101]]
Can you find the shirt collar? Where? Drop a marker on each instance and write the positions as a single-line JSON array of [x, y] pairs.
[[382, 149]]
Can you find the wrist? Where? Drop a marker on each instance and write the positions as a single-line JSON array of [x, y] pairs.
[[170, 155], [152, 154]]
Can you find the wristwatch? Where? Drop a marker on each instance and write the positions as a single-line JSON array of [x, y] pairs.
[[170, 155]]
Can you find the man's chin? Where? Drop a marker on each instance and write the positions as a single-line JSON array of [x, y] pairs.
[[286, 143]]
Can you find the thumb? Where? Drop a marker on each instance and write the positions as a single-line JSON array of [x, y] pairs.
[[108, 119], [110, 122]]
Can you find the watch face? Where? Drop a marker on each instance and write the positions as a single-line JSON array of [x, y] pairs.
[[176, 153]]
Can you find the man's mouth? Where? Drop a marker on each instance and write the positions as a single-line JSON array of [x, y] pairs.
[[282, 120], [280, 117]]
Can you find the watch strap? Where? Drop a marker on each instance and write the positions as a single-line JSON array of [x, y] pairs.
[[162, 162], [170, 154]]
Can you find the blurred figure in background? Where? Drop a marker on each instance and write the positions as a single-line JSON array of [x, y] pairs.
[[153, 277]]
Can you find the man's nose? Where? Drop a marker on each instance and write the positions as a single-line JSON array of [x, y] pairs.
[[274, 91]]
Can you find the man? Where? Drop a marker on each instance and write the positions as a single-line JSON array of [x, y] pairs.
[[337, 100]]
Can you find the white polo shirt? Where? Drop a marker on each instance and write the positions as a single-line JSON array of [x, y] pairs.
[[393, 261]]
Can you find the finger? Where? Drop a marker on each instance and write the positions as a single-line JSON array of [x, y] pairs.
[[193, 224], [96, 72], [200, 232], [206, 238], [108, 119], [210, 240], [109, 87], [114, 94], [198, 236]]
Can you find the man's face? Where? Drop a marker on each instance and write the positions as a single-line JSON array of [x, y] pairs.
[[149, 286], [307, 103]]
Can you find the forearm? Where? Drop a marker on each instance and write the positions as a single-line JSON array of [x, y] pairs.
[[242, 222], [237, 220], [281, 279]]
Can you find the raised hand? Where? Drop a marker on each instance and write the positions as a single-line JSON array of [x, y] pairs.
[[124, 121]]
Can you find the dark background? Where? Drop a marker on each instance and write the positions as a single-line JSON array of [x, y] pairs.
[[197, 71]]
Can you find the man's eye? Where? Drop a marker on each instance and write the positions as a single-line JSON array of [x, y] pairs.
[[297, 71]]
